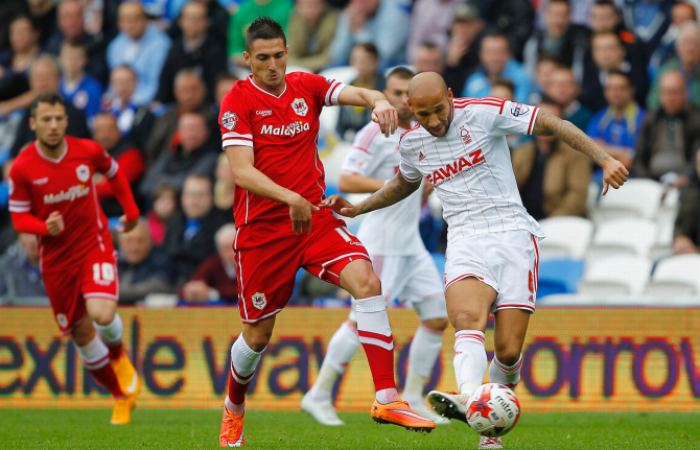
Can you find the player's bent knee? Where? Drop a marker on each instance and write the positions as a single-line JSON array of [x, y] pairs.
[[83, 333], [436, 324], [359, 279], [465, 320], [508, 355]]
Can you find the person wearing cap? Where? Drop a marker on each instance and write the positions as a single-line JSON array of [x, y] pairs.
[[430, 22], [462, 53]]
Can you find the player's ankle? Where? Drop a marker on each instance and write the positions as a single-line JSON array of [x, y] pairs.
[[468, 388], [233, 408], [386, 396]]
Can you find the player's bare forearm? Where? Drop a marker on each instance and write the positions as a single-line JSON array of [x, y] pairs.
[[359, 184], [247, 177], [550, 125], [356, 96], [395, 190]]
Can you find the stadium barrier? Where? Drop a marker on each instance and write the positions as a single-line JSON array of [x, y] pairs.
[[577, 359]]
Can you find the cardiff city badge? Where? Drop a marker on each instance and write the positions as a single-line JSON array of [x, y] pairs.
[[259, 300], [300, 107], [83, 173], [229, 120]]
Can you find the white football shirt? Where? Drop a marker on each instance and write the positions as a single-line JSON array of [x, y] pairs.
[[471, 168], [392, 230]]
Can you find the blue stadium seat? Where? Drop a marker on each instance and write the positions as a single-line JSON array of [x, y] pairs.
[[559, 276]]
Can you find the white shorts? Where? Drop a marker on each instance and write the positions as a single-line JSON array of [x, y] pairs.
[[413, 279], [506, 261]]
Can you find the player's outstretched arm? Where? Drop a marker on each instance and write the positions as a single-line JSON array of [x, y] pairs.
[[246, 176], [614, 172], [358, 184], [395, 190], [383, 112]]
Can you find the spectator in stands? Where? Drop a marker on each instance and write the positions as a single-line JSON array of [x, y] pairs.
[[310, 34], [497, 62], [249, 11], [552, 177], [365, 58], [224, 186], [215, 281], [44, 75], [429, 58], [134, 122], [189, 237], [609, 55], [43, 14], [195, 49], [564, 90], [20, 274], [616, 127], [189, 96], [192, 156], [560, 39], [462, 56], [648, 20], [680, 14], [76, 86], [430, 22], [687, 63], [514, 18], [686, 233], [143, 269], [14, 66], [218, 17], [131, 161], [71, 28], [386, 24], [506, 89], [9, 11], [546, 65], [165, 206], [140, 45], [669, 135], [224, 83]]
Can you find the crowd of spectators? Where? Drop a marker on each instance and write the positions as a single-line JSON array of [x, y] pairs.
[[145, 78]]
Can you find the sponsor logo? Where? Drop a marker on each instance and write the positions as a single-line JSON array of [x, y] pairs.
[[356, 161], [518, 109], [300, 107], [464, 164], [10, 186], [62, 320], [229, 120], [83, 172], [290, 130], [421, 156], [464, 133], [259, 300], [40, 181], [71, 194], [530, 285], [328, 80], [267, 112]]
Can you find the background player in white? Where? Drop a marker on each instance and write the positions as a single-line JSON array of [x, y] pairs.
[[461, 147], [400, 260]]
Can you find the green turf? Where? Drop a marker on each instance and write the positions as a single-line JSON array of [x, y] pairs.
[[90, 429]]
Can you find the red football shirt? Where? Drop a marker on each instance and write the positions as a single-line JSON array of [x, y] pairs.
[[283, 132], [40, 185]]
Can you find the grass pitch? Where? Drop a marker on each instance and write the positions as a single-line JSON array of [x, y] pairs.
[[90, 429]]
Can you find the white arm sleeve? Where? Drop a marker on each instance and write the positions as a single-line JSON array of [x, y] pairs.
[[409, 162], [514, 118], [366, 153]]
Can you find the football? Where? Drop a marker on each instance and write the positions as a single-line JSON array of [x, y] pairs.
[[493, 410]]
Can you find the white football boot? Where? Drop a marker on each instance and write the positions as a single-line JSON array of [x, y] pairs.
[[322, 411], [450, 406], [418, 405], [490, 442]]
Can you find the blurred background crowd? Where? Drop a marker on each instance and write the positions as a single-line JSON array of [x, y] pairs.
[[145, 78]]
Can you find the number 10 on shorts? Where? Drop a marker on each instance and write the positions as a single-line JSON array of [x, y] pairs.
[[103, 272]]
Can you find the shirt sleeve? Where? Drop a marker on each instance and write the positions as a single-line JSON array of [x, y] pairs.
[[511, 118], [365, 155], [20, 195], [234, 120], [104, 163], [408, 165], [327, 90]]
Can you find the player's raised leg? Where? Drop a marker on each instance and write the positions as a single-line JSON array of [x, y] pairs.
[[469, 302], [376, 337]]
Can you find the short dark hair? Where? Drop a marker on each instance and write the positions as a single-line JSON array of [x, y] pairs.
[[547, 100], [620, 73], [548, 57], [75, 45], [25, 17], [264, 28], [402, 73], [606, 33], [369, 48], [503, 82], [609, 3], [495, 33], [560, 1], [50, 97]]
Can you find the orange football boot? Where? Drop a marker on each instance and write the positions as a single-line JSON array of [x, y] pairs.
[[127, 376], [121, 414], [232, 430], [399, 413]]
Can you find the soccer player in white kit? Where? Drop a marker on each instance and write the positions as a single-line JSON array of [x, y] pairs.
[[400, 260], [492, 257]]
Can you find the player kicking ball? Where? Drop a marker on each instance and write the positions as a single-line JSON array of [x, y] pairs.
[[399, 258], [269, 126], [492, 256], [52, 195]]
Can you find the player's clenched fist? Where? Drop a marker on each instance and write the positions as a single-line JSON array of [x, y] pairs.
[[386, 116], [54, 224], [614, 174], [300, 211], [340, 206]]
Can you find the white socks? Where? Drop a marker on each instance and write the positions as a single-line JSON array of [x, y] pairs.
[[470, 360], [424, 351], [508, 375], [341, 348], [95, 354], [244, 361], [111, 333], [386, 396]]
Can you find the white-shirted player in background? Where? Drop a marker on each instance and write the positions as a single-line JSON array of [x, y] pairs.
[[400, 260], [460, 146]]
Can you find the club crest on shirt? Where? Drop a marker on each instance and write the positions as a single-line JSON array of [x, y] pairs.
[[83, 172], [464, 133], [62, 320], [518, 109], [300, 107], [259, 300], [229, 120]]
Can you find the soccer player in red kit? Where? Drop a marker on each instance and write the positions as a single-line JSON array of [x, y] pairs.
[[53, 196], [269, 125]]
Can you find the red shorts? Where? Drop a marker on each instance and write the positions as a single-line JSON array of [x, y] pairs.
[[69, 287], [266, 274]]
